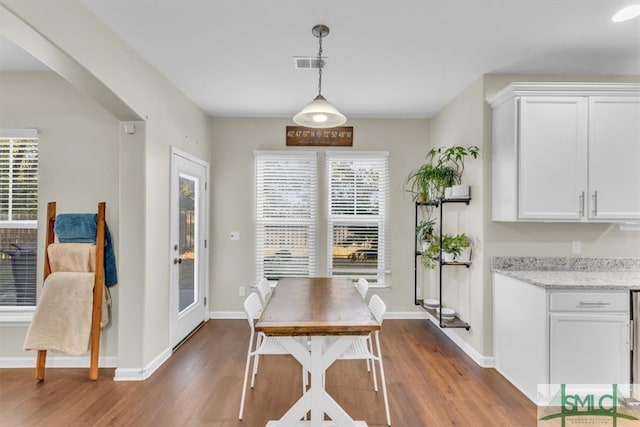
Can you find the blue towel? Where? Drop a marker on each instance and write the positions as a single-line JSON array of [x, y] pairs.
[[82, 228]]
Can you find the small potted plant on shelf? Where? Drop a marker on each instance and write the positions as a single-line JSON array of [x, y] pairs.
[[427, 183], [424, 232], [431, 255], [465, 253], [452, 246], [453, 157]]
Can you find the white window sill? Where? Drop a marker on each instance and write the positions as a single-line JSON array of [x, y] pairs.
[[16, 316]]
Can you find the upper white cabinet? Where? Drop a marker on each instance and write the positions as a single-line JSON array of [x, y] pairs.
[[566, 152], [614, 157]]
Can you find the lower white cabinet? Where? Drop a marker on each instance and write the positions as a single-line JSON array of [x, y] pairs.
[[589, 337], [544, 336], [589, 348]]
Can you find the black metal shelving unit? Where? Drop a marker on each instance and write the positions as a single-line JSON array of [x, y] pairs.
[[456, 322]]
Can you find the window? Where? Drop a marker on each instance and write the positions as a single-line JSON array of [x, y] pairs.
[[286, 189], [357, 213], [18, 216], [286, 214]]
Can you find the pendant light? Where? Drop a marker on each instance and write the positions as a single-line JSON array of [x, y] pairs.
[[319, 113]]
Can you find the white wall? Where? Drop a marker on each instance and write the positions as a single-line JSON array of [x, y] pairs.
[[232, 199], [77, 168], [168, 119], [461, 123]]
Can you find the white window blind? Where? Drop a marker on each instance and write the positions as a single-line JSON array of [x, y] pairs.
[[18, 216], [358, 192], [286, 194]]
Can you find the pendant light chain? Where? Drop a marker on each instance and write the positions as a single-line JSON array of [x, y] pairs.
[[320, 65], [319, 113]]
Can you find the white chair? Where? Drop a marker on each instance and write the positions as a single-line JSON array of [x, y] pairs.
[[360, 349], [264, 345], [264, 290], [363, 287]]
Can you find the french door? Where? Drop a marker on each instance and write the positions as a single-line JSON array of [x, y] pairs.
[[189, 213]]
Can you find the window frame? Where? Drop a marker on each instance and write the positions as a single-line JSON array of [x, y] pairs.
[[379, 160], [305, 218], [18, 315]]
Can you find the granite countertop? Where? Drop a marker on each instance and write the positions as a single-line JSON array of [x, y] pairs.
[[571, 273]]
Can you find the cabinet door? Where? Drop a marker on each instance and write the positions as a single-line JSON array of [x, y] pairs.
[[552, 158], [614, 156], [589, 348]]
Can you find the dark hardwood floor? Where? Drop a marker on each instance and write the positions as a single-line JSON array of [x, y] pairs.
[[430, 383]]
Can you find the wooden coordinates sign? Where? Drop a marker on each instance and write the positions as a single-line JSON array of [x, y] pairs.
[[301, 136]]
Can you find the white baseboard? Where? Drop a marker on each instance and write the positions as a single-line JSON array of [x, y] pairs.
[[517, 385], [227, 315], [480, 359], [406, 315], [56, 360], [141, 374]]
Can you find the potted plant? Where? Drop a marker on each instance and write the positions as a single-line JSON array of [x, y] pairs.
[[452, 246], [418, 183], [465, 253], [453, 157], [427, 183], [431, 255], [443, 169], [424, 232]]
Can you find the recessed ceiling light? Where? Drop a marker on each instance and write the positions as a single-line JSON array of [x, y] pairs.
[[627, 13]]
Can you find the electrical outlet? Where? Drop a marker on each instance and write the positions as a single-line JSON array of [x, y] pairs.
[[241, 291], [576, 247]]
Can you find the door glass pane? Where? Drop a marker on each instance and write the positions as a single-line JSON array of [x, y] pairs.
[[186, 247]]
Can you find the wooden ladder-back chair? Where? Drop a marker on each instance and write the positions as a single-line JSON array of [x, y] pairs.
[[97, 288]]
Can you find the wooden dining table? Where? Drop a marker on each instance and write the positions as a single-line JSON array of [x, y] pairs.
[[318, 308]]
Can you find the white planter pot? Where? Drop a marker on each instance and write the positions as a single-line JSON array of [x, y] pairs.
[[465, 255], [460, 191], [447, 257], [448, 193]]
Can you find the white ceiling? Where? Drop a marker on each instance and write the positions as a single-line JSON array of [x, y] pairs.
[[386, 58]]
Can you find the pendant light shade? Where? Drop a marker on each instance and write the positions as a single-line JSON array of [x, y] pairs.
[[319, 113]]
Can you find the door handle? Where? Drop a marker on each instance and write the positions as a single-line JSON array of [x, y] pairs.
[[593, 304], [177, 261], [594, 197], [581, 198]]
